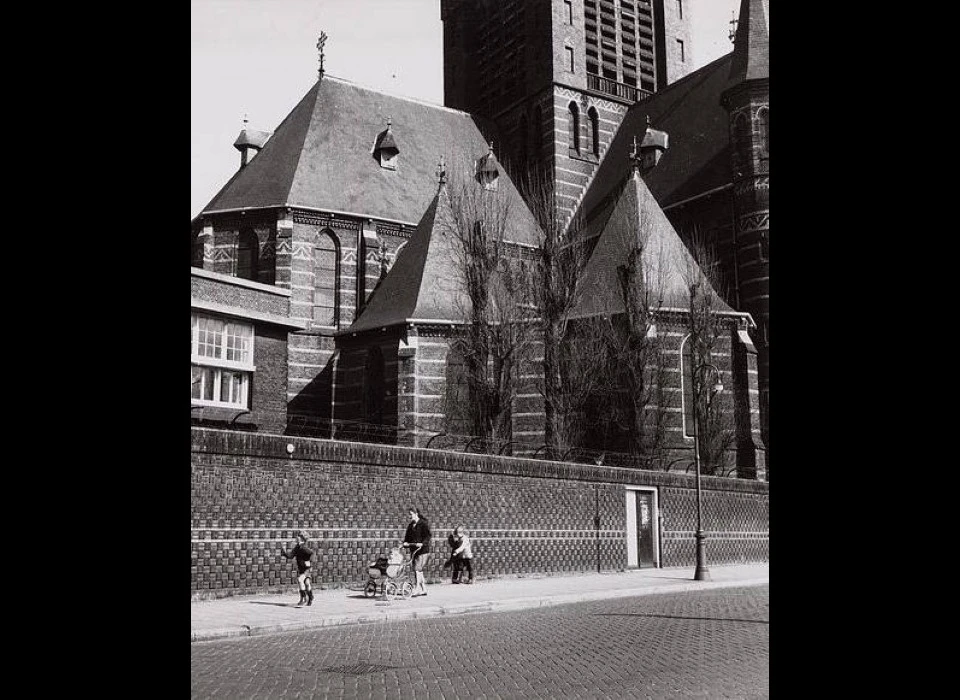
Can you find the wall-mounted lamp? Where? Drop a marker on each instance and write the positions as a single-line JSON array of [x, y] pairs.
[[290, 448]]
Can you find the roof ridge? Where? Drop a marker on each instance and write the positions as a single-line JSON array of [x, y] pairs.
[[405, 98]]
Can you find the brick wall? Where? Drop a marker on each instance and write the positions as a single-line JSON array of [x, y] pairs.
[[249, 495]]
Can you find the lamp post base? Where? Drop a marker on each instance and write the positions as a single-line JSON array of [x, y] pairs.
[[702, 573]]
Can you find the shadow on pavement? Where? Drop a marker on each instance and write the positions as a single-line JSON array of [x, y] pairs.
[[279, 605], [682, 617]]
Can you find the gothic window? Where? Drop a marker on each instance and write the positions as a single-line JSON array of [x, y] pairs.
[[196, 251], [574, 127], [763, 117], [326, 285], [248, 254], [686, 380], [741, 132], [594, 131]]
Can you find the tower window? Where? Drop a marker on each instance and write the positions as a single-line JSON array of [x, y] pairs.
[[574, 127], [568, 9], [594, 131], [680, 8], [683, 56], [569, 52]]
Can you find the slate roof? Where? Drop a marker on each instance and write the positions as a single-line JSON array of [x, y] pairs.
[[422, 284], [322, 155], [698, 158], [667, 262]]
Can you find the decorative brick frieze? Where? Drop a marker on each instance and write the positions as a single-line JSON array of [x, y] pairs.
[[325, 221]]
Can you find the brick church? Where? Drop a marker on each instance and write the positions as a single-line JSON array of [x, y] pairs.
[[324, 291]]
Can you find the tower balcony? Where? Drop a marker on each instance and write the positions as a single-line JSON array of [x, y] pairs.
[[631, 93]]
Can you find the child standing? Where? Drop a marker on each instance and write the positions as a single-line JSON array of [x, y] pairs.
[[302, 554], [462, 554]]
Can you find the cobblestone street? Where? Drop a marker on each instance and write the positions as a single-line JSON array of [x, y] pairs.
[[712, 644]]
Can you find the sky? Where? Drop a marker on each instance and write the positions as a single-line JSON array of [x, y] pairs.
[[257, 58]]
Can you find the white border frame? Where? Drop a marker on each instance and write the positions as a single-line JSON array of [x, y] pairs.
[[630, 498]]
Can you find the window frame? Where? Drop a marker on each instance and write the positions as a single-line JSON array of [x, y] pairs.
[[219, 367], [337, 287]]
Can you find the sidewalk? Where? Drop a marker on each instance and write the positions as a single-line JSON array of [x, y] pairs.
[[242, 616]]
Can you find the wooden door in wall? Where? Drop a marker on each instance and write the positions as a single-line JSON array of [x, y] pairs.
[[642, 525]]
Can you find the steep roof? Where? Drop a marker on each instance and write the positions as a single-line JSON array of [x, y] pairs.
[[668, 266], [322, 155], [698, 158], [751, 55], [422, 285]]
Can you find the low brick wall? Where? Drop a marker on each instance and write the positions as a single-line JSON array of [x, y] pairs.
[[249, 495]]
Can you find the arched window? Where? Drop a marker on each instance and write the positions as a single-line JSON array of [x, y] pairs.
[[686, 380], [196, 250], [594, 131], [326, 280], [574, 126], [373, 387], [741, 132], [248, 254], [763, 121]]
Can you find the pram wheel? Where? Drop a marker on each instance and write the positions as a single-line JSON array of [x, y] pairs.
[[371, 589], [406, 590], [391, 590]]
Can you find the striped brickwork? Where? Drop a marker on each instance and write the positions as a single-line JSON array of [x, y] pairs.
[[574, 169], [748, 106]]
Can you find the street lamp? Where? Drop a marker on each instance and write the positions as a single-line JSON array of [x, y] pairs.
[[702, 573]]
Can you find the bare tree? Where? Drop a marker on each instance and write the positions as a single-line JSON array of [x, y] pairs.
[[706, 327], [498, 312], [637, 353], [569, 377]]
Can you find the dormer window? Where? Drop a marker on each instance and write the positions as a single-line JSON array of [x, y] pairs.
[[386, 151], [488, 170], [388, 159]]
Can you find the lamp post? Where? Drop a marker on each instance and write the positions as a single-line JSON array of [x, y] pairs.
[[702, 573]]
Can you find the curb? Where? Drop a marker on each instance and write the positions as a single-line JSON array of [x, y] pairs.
[[507, 605]]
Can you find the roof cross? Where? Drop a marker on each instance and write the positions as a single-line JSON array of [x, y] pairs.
[[320, 42]]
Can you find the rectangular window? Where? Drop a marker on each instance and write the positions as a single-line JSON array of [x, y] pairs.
[[221, 362], [569, 52], [680, 8], [683, 56], [569, 10]]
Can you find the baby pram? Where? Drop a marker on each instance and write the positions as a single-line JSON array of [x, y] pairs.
[[388, 576]]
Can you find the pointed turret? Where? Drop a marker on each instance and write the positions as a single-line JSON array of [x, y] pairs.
[[422, 286], [752, 43], [747, 101]]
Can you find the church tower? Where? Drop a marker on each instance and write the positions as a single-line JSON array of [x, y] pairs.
[[556, 77], [746, 100]]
